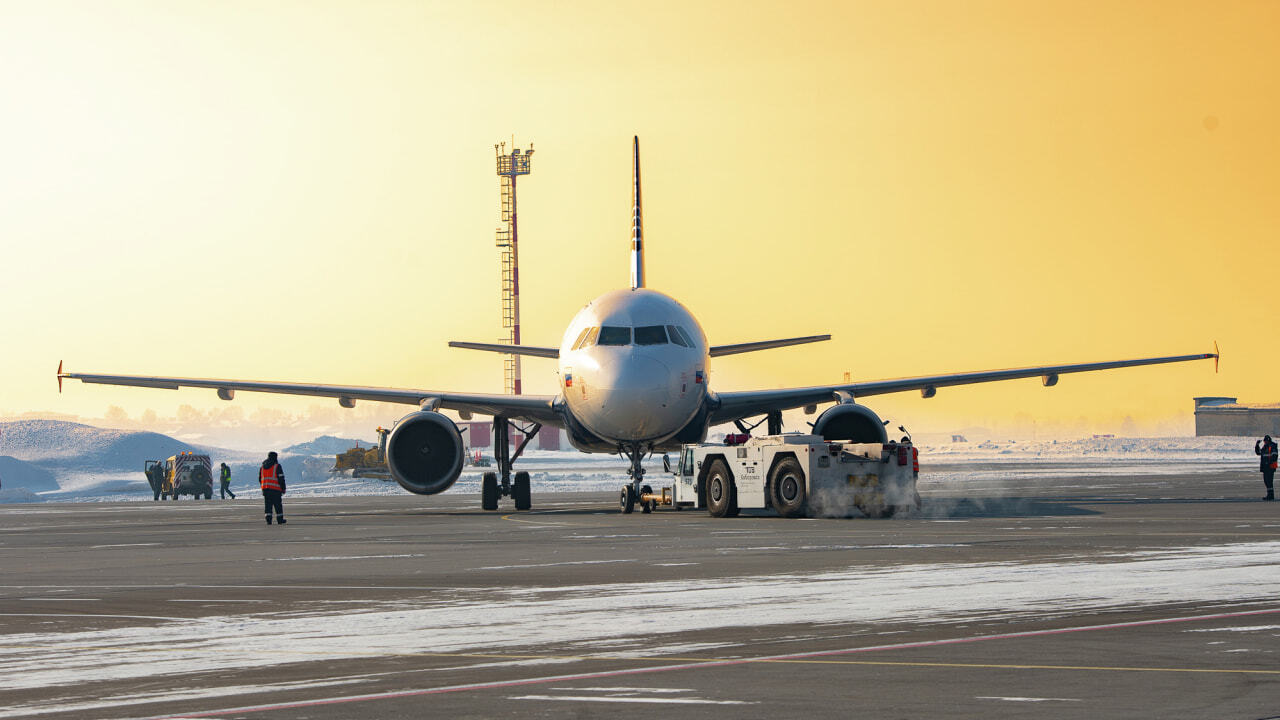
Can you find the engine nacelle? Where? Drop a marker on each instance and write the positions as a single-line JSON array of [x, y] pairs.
[[850, 422], [425, 452]]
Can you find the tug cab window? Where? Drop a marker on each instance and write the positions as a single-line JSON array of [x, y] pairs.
[[612, 335], [651, 335]]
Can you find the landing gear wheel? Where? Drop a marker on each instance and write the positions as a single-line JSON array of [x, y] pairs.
[[790, 491], [647, 506], [627, 500], [520, 491], [489, 491], [720, 492]]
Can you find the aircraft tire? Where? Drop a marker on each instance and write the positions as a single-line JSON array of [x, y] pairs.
[[720, 491], [489, 491], [647, 507], [520, 491], [789, 488], [627, 500]]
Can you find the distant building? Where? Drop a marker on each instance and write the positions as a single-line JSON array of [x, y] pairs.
[[1225, 416]]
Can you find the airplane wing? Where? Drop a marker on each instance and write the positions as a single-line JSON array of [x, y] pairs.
[[730, 406], [718, 350], [536, 408], [535, 351]]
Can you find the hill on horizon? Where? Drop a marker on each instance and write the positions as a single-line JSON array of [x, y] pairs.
[[67, 445]]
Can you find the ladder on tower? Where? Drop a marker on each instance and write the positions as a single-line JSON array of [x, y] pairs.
[[508, 287]]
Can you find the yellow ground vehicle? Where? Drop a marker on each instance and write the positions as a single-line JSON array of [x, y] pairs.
[[186, 473], [365, 462]]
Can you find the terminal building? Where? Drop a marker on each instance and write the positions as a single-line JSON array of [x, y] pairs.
[[1225, 416]]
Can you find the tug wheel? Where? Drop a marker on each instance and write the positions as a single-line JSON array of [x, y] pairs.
[[720, 491]]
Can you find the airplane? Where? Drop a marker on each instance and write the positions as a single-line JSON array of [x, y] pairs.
[[635, 378]]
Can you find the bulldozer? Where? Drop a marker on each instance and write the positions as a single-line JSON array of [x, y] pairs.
[[366, 462]]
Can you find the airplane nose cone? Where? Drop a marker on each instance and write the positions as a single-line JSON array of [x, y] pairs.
[[636, 398]]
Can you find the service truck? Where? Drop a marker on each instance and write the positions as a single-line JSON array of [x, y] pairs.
[[186, 473], [798, 475]]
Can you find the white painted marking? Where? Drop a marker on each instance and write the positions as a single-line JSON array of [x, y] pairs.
[[95, 547], [229, 601], [1026, 699], [559, 564], [602, 698], [62, 599]]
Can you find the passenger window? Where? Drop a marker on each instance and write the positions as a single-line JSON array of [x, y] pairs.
[[615, 335], [581, 336], [674, 332], [651, 335]]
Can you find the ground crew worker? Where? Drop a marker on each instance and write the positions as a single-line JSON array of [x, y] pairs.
[[224, 475], [1267, 453], [271, 478]]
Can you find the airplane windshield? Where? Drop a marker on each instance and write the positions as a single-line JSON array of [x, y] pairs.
[[651, 335], [614, 336], [676, 337]]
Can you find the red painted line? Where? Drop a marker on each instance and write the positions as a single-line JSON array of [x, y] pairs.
[[710, 663]]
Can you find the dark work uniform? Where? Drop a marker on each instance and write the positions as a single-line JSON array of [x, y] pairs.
[[225, 478], [271, 478], [1267, 455]]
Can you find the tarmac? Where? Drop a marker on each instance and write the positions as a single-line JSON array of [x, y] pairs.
[[1055, 595]]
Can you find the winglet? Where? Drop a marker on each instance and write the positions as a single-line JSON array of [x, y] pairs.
[[59, 377], [1216, 356], [637, 235]]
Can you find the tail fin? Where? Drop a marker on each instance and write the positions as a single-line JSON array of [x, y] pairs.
[[637, 236]]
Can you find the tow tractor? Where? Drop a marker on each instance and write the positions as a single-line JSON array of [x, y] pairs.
[[798, 475]]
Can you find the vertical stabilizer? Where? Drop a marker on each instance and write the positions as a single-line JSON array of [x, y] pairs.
[[637, 235]]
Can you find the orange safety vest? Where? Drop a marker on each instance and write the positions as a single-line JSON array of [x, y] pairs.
[[915, 461], [268, 478]]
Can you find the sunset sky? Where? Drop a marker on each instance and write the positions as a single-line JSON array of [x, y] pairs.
[[305, 191]]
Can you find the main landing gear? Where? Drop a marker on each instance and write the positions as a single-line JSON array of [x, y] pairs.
[[636, 491], [499, 484]]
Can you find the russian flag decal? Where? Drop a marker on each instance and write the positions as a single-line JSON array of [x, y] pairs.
[[697, 377]]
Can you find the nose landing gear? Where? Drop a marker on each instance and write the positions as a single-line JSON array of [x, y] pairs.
[[636, 493]]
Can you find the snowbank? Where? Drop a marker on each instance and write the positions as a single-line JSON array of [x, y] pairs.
[[16, 474], [59, 444]]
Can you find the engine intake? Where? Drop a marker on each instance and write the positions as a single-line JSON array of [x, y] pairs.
[[425, 453], [850, 422]]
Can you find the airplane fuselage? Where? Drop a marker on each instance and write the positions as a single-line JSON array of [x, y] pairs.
[[634, 367]]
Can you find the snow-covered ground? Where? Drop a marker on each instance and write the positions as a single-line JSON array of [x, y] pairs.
[[584, 617]]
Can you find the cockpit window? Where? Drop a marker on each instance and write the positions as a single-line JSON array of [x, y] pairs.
[[614, 335], [591, 339], [581, 336], [651, 335], [688, 337], [676, 337]]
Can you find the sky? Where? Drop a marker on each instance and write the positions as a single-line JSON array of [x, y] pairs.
[[305, 191]]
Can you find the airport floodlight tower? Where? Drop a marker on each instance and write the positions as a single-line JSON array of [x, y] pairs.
[[510, 166]]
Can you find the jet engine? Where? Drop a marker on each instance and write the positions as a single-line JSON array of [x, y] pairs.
[[850, 422], [425, 452]]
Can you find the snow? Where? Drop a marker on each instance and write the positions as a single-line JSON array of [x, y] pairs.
[[576, 619], [16, 474]]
